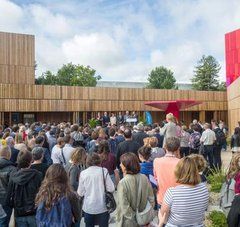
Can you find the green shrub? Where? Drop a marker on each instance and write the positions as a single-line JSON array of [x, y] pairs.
[[228, 140], [218, 219], [93, 123], [216, 179], [142, 120]]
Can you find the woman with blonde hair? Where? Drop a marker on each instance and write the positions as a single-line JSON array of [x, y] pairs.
[[169, 129], [234, 167], [185, 205], [76, 164]]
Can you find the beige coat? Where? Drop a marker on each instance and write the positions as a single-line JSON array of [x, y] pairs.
[[127, 199]]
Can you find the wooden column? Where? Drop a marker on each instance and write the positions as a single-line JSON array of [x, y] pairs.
[[202, 116], [215, 115], [75, 117], [10, 118], [1, 118]]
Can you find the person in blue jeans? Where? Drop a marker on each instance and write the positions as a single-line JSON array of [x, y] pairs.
[[23, 187], [6, 169]]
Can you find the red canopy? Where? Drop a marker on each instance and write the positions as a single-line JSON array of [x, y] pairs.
[[173, 106]]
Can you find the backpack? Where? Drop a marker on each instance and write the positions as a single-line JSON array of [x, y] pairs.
[[195, 140], [60, 215], [18, 201], [227, 195], [220, 136], [77, 139]]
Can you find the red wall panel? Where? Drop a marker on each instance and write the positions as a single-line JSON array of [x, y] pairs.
[[232, 55]]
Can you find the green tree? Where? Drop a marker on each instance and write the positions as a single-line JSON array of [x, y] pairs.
[[161, 78], [222, 86], [206, 76], [47, 78], [71, 75]]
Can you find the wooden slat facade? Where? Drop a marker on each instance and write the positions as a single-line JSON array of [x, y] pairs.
[[17, 58], [19, 94], [233, 95], [20, 98]]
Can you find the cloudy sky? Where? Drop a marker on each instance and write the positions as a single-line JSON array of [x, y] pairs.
[[124, 39]]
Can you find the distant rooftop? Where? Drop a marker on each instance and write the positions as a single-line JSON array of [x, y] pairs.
[[120, 84]]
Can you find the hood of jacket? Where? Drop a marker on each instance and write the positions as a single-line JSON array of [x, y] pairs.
[[4, 163], [147, 168], [23, 176]]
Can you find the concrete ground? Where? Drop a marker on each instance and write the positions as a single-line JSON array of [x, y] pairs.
[[226, 158]]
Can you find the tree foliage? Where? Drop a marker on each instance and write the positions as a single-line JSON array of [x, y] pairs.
[[222, 86], [70, 75], [206, 76], [161, 78]]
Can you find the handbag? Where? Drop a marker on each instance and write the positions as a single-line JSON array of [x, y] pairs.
[[147, 215], [109, 198]]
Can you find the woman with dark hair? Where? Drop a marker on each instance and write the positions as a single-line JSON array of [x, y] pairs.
[[235, 140], [134, 192], [57, 204], [108, 160], [146, 165], [91, 187]]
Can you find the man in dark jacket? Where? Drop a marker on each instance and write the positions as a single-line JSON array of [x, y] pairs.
[[126, 146], [6, 169], [47, 156], [23, 187], [140, 134]]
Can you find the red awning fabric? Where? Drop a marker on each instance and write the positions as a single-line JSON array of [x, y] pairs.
[[179, 104]]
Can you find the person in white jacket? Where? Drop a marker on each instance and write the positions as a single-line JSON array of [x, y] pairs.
[[91, 187]]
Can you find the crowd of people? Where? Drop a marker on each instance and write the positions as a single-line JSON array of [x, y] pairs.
[[57, 174]]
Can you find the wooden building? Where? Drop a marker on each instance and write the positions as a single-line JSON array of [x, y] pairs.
[[23, 101]]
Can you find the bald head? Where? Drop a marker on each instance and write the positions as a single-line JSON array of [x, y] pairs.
[[5, 152]]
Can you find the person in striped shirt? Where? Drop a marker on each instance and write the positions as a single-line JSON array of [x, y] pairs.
[[185, 204]]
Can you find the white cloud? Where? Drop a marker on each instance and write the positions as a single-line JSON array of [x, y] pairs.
[[124, 41], [98, 50], [11, 16], [181, 59], [49, 23]]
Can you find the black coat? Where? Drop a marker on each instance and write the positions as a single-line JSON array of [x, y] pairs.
[[233, 218], [139, 136], [235, 141], [6, 169], [23, 187], [125, 147]]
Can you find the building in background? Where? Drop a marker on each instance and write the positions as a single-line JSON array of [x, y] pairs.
[[232, 53], [123, 84], [23, 101]]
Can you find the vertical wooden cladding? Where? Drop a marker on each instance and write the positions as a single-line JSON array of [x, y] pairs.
[[17, 58], [233, 94], [74, 92], [16, 49]]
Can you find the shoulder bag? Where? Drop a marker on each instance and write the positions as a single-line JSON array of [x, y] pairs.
[[63, 161], [109, 198], [147, 215]]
